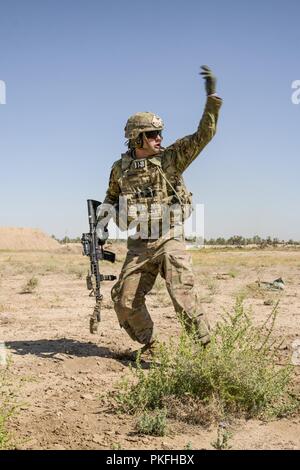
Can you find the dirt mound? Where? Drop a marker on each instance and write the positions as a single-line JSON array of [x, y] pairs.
[[21, 238], [74, 248]]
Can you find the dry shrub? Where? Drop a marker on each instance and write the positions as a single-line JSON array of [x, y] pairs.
[[30, 286], [237, 374], [192, 410]]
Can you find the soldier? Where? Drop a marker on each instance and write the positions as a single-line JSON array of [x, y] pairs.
[[149, 179]]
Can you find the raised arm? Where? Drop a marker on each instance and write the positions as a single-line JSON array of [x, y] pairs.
[[184, 151]]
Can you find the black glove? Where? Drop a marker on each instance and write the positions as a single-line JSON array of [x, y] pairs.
[[210, 80]]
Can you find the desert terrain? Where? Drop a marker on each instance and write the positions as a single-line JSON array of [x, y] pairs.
[[61, 377]]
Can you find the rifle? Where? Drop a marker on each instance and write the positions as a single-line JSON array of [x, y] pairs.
[[94, 249]]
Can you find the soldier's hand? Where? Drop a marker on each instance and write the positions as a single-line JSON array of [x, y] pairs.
[[210, 80]]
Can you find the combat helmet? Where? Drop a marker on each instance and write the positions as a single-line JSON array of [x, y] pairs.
[[142, 122]]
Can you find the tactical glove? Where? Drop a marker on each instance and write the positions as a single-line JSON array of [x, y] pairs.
[[210, 80]]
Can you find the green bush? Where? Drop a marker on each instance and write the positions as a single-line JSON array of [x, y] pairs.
[[223, 437], [237, 373], [153, 424]]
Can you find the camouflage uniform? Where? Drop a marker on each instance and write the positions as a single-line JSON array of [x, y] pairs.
[[166, 254]]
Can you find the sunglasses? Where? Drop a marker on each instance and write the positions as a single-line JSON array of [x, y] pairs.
[[153, 134]]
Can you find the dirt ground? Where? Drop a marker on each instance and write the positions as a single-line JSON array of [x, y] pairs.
[[26, 238], [61, 374]]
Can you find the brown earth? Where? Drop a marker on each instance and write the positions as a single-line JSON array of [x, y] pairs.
[[61, 375], [20, 238]]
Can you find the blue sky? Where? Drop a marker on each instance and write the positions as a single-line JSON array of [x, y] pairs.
[[75, 70]]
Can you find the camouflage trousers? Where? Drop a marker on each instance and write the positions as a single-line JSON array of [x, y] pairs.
[[145, 260]]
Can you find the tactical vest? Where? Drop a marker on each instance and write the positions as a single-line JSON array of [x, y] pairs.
[[149, 195]]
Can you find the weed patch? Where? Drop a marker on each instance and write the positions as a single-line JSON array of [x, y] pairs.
[[236, 374], [30, 286], [223, 437], [7, 408], [152, 423]]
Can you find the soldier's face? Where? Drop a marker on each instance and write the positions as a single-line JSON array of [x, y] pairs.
[[152, 142]]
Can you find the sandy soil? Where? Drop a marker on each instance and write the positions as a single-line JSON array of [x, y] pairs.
[[61, 374], [22, 238]]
